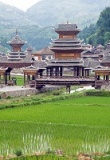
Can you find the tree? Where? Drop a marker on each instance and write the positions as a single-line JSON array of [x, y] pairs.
[[107, 37], [104, 20], [99, 33]]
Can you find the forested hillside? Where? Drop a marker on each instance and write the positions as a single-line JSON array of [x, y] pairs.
[[36, 26], [100, 32], [13, 16], [52, 12], [36, 37]]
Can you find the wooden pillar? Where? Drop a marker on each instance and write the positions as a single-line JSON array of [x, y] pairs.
[[51, 72], [68, 89], [5, 78], [35, 81], [107, 78], [95, 81], [75, 71], [56, 71], [9, 76], [61, 71], [33, 77], [82, 72], [41, 73], [28, 78], [98, 77], [47, 72], [87, 73]]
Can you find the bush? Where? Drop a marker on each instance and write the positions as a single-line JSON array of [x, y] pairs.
[[18, 153], [98, 93], [57, 92]]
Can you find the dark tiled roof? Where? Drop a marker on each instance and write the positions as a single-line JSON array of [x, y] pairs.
[[39, 64], [44, 51], [29, 49], [94, 53], [91, 63], [87, 52], [28, 58], [67, 48], [16, 40], [65, 64], [68, 44], [75, 40], [67, 27], [102, 68], [106, 55], [76, 60], [100, 46], [3, 58]]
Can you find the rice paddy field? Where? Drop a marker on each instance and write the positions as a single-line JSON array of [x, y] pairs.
[[66, 127]]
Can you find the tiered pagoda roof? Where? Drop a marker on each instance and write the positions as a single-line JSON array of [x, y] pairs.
[[67, 44], [67, 62], [67, 40], [16, 40], [16, 54], [67, 47]]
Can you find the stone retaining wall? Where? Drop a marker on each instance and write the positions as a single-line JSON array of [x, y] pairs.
[[27, 91], [105, 87], [18, 93]]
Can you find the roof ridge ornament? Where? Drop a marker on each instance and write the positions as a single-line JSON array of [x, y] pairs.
[[16, 31]]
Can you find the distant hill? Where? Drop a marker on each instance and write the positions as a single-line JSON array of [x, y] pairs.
[[52, 12], [47, 13], [13, 16], [36, 25]]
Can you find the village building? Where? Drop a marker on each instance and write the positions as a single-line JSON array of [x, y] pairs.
[[44, 54], [106, 56], [102, 72]]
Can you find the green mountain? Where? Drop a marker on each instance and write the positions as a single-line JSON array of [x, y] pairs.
[[36, 25], [13, 16], [52, 12], [100, 32]]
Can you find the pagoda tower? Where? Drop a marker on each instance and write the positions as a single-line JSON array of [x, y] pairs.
[[67, 49], [67, 46], [16, 54]]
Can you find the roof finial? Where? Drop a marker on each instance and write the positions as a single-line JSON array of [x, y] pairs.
[[16, 32]]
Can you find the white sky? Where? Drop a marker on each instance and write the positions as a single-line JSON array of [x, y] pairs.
[[21, 4]]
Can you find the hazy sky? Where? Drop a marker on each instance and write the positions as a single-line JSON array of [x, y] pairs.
[[21, 4]]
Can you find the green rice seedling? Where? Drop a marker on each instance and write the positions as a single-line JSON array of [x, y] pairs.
[[70, 140], [69, 126]]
